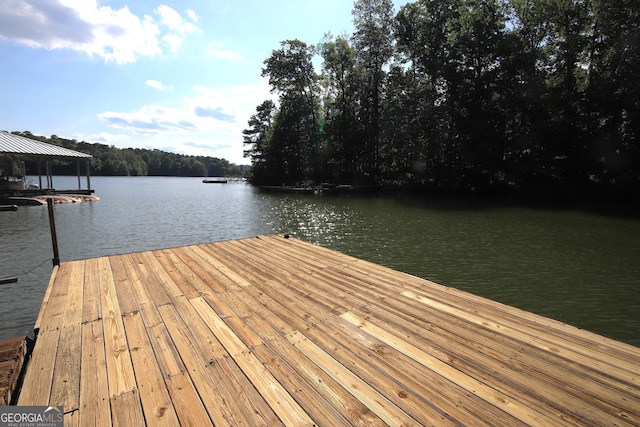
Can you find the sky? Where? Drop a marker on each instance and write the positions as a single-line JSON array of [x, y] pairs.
[[176, 75]]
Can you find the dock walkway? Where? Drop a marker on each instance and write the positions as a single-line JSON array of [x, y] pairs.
[[275, 331]]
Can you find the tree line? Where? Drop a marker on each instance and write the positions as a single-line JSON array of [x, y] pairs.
[[111, 161], [496, 96]]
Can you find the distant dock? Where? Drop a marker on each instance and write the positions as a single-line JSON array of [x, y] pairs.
[[276, 331]]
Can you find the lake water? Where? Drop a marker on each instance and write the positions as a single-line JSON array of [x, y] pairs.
[[576, 267]]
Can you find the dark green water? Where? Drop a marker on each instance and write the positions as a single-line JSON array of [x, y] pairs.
[[576, 267]]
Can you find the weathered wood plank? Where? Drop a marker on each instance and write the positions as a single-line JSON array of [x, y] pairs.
[[47, 297], [189, 407], [209, 376], [119, 366], [167, 355], [38, 381], [508, 404], [94, 407], [126, 410], [66, 379], [532, 380], [12, 358], [156, 403], [206, 271], [91, 308], [370, 397], [282, 403], [324, 399], [182, 275], [569, 352]]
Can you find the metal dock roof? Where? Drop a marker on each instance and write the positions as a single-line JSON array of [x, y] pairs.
[[19, 145]]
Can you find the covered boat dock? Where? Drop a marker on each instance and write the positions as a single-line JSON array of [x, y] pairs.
[[15, 150]]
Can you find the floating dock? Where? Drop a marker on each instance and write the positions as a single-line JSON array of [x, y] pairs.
[[276, 331]]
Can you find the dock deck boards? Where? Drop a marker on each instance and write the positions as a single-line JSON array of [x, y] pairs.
[[12, 357], [274, 331]]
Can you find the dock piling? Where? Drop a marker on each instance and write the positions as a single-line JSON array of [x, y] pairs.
[[54, 236]]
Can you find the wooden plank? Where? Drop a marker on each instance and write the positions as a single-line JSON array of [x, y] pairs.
[[65, 389], [282, 403], [152, 275], [141, 294], [119, 366], [94, 408], [188, 282], [323, 398], [423, 394], [208, 255], [91, 308], [47, 296], [239, 318], [272, 331], [610, 366], [167, 355], [38, 379], [156, 403], [509, 404], [185, 399], [54, 307], [205, 372], [126, 410], [124, 280], [612, 408], [66, 379], [534, 377], [12, 358], [370, 397], [210, 275]]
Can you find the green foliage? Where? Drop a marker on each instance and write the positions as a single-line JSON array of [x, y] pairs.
[[292, 151], [111, 161], [517, 96]]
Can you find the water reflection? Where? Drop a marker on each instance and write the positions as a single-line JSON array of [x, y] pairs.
[[575, 267]]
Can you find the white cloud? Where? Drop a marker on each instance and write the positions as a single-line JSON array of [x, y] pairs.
[[194, 17], [208, 121], [103, 137], [158, 85], [216, 51], [117, 35]]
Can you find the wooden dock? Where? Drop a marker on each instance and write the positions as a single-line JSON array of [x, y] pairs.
[[275, 331], [12, 357]]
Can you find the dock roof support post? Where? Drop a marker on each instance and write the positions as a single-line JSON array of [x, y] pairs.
[[39, 173], [88, 174], [78, 174], [49, 177]]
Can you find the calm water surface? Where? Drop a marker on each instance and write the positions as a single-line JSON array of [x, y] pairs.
[[579, 268]]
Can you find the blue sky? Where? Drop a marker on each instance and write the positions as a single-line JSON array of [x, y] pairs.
[[176, 75]]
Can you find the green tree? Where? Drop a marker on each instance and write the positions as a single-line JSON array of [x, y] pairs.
[[258, 138], [291, 75], [342, 130], [373, 42], [613, 93]]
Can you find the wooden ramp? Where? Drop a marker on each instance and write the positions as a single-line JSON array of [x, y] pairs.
[[275, 331]]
